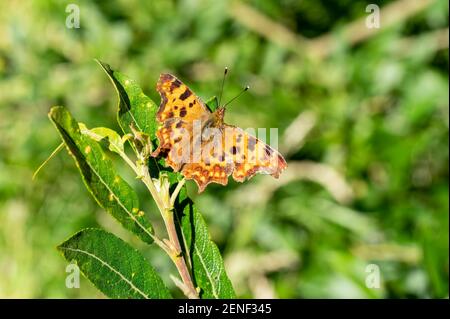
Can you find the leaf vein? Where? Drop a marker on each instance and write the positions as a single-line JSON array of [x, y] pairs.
[[119, 201], [104, 263]]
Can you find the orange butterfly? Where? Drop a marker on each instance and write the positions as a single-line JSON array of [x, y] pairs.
[[198, 143]]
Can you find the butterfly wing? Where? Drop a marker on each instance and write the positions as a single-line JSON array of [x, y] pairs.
[[209, 164], [250, 155], [232, 151], [179, 108], [178, 101], [207, 157]]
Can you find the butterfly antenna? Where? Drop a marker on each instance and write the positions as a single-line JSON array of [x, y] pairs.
[[223, 83], [242, 92]]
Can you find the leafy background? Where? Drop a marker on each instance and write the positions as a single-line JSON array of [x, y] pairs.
[[363, 120]]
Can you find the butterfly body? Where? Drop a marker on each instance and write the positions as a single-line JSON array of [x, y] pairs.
[[199, 144]]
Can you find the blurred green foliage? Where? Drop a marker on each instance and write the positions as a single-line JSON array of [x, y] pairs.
[[379, 130]]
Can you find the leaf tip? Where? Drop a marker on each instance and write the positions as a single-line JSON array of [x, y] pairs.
[[54, 110], [105, 66]]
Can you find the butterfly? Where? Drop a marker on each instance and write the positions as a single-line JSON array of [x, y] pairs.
[[196, 142]]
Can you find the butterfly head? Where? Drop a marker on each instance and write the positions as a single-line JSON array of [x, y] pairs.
[[219, 113], [218, 116]]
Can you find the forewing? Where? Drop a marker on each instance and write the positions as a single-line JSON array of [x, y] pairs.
[[178, 101]]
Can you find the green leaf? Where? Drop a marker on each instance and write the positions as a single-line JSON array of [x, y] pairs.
[[113, 140], [203, 254], [101, 179], [113, 266], [212, 103], [135, 108]]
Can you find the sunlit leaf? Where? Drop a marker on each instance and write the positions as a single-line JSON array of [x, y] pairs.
[[101, 179], [135, 108], [212, 103], [113, 140]]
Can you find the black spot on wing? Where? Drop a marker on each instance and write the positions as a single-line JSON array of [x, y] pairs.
[[187, 93], [178, 139], [175, 84]]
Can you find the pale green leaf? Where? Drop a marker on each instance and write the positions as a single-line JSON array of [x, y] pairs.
[[113, 140]]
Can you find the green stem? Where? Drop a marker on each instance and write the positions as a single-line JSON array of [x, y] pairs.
[[60, 147], [173, 248], [178, 257]]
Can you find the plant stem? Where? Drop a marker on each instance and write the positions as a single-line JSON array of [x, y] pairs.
[[173, 248], [175, 193], [178, 257]]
